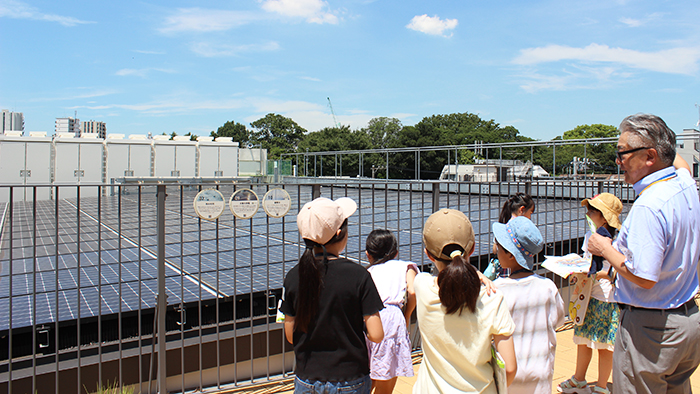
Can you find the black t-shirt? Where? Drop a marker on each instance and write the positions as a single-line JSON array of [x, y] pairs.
[[334, 347]]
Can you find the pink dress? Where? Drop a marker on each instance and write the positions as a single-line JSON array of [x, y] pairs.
[[391, 357]]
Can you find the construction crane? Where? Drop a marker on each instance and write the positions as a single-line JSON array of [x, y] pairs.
[[335, 121]]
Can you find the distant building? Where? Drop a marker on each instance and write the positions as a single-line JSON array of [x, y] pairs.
[[12, 121], [688, 147], [68, 125], [92, 126], [492, 171]]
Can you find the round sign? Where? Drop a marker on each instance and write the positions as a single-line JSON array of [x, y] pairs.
[[209, 204], [244, 203], [276, 203]]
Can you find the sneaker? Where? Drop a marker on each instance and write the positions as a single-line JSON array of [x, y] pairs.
[[600, 390], [573, 386]]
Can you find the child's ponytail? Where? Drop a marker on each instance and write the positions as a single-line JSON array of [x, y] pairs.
[[458, 282], [310, 283]]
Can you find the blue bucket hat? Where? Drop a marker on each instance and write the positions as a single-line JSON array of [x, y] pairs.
[[521, 238]]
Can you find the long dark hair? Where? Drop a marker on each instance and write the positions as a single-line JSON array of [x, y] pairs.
[[311, 272], [458, 282], [513, 203], [381, 245]]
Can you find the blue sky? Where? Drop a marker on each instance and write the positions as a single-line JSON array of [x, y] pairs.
[[163, 66]]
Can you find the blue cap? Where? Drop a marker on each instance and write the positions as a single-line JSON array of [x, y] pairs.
[[521, 238]]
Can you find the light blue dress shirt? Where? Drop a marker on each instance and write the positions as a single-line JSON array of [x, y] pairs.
[[660, 239]]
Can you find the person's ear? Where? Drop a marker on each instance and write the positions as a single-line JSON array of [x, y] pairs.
[[337, 233], [430, 257], [369, 258], [652, 157], [471, 251]]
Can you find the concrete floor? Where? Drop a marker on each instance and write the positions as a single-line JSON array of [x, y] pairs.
[[564, 366]]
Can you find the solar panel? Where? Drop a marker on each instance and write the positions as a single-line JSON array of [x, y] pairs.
[[102, 255]]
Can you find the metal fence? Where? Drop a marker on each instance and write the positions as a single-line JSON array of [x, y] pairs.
[[124, 285]]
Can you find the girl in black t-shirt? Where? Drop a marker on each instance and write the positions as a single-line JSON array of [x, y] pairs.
[[328, 301]]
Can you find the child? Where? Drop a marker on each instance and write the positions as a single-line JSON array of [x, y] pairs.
[[326, 301], [600, 323], [457, 318], [394, 280], [519, 204], [534, 303]]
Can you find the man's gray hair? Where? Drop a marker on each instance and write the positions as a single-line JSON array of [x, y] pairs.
[[654, 132]]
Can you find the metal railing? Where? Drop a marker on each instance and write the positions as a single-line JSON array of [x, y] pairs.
[[124, 285]]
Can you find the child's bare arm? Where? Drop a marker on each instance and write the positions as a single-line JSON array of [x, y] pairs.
[[504, 345], [411, 296]]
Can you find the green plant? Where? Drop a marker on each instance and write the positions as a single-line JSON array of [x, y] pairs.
[[113, 388]]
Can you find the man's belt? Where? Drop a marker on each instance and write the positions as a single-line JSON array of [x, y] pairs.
[[683, 308]]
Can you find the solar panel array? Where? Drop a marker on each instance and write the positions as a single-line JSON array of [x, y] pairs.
[[75, 258]]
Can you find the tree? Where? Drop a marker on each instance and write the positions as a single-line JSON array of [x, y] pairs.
[[277, 134], [235, 130], [331, 139], [601, 154], [455, 129], [382, 132]]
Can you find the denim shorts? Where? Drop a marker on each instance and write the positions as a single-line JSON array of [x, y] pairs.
[[357, 386]]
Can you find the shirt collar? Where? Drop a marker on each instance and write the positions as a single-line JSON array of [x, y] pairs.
[[653, 177]]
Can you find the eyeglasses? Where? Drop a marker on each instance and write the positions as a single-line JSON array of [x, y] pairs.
[[624, 152]]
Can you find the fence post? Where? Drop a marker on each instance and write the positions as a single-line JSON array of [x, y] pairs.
[[528, 188], [162, 297], [600, 187], [315, 191], [436, 196]]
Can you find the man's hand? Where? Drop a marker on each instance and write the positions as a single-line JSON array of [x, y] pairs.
[[597, 244]]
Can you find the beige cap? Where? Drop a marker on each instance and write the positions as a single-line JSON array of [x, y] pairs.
[[320, 219], [447, 227], [609, 205]]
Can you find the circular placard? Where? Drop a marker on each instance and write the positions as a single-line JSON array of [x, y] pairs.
[[209, 204], [276, 203], [244, 203]]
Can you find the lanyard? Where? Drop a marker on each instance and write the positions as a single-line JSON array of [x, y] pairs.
[[664, 179]]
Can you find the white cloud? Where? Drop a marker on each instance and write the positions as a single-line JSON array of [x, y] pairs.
[[314, 11], [631, 22], [149, 52], [672, 61], [432, 25], [18, 10], [77, 96], [173, 105], [207, 49], [205, 20], [143, 72]]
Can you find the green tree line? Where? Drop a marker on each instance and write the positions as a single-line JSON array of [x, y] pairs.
[[280, 135]]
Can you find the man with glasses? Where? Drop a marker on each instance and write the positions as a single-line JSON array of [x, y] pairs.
[[656, 255]]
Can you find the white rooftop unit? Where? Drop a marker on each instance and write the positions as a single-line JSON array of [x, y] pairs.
[[471, 172], [78, 161], [126, 158], [25, 161], [217, 158], [174, 158], [488, 171], [252, 161]]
